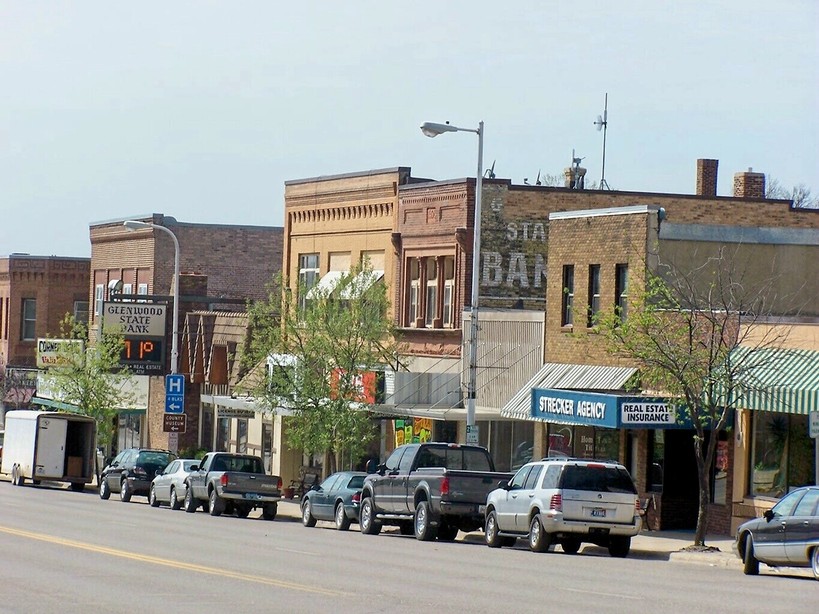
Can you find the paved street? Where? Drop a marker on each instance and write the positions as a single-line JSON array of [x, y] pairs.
[[72, 552]]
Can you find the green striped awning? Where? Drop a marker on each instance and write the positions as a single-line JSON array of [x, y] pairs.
[[780, 380]]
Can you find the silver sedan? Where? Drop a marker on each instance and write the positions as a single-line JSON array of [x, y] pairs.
[[169, 485]]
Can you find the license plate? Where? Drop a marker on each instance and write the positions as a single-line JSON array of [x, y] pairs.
[[481, 509], [253, 496], [598, 512]]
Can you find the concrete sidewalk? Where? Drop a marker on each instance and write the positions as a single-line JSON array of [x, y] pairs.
[[654, 545]]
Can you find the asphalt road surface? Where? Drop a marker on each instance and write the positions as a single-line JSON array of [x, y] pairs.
[[72, 552]]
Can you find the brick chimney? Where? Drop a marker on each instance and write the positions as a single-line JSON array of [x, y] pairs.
[[749, 184], [707, 177]]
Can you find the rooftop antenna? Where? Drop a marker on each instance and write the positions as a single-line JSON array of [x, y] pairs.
[[490, 172], [602, 123]]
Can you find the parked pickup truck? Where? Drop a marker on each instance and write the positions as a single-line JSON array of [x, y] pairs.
[[232, 483], [430, 490]]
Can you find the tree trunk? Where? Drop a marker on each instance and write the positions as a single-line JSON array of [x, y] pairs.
[[704, 490]]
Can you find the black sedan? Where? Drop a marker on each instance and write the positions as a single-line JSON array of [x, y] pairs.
[[787, 535], [336, 498]]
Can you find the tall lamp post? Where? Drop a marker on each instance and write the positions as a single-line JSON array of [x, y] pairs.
[[431, 130], [138, 225]]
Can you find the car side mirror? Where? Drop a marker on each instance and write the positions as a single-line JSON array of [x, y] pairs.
[[158, 472], [768, 515], [503, 484], [508, 486], [316, 487], [382, 469]]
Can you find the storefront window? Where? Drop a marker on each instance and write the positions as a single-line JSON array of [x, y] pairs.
[[222, 435], [583, 442], [511, 444], [241, 435], [656, 460], [782, 453], [607, 444]]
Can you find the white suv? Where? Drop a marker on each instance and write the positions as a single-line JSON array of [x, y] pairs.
[[566, 501]]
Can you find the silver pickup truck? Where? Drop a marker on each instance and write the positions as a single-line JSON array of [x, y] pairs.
[[232, 483]]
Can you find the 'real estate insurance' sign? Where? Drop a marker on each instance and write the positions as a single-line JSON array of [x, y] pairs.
[[635, 412], [135, 319]]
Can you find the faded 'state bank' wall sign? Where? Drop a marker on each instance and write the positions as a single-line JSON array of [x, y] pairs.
[[513, 254]]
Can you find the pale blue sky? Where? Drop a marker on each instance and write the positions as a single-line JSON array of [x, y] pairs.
[[202, 110]]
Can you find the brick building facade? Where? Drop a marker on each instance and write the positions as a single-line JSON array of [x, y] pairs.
[[36, 292], [221, 266]]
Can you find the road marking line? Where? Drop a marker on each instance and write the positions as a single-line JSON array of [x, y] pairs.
[[620, 595], [171, 563], [297, 551]]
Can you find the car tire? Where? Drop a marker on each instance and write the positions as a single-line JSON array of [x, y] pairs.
[[619, 546], [307, 518], [492, 532], [814, 562], [750, 564], [152, 497], [367, 522], [424, 531], [174, 502], [190, 503], [340, 517], [105, 490], [217, 504], [570, 545], [125, 493], [539, 539], [270, 510]]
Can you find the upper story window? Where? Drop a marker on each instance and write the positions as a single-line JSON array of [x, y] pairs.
[[29, 319], [414, 290], [308, 273], [621, 291], [143, 290], [594, 293], [447, 318], [81, 312], [99, 297], [568, 295], [128, 289], [2, 317], [432, 291]]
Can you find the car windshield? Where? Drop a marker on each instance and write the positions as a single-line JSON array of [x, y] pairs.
[[598, 478], [357, 481]]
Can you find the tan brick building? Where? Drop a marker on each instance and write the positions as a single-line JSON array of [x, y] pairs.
[[221, 266], [36, 292]]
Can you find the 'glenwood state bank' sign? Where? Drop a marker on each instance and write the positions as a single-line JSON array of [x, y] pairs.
[[134, 319], [606, 410]]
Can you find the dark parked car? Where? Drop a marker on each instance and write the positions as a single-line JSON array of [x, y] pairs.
[[786, 536], [131, 472], [337, 498]]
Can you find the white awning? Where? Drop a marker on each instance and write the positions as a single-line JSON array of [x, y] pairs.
[[567, 377], [326, 284], [361, 283]]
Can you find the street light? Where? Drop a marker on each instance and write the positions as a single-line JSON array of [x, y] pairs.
[[431, 129], [137, 225]]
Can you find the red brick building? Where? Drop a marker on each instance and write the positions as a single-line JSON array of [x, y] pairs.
[[36, 292]]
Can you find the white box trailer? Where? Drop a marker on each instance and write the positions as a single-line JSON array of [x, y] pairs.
[[49, 445]]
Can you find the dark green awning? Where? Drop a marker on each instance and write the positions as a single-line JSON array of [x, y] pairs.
[[779, 380]]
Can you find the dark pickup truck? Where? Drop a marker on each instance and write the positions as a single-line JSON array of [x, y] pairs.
[[430, 490], [232, 483]]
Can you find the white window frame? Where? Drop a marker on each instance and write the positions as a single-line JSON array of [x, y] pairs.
[[431, 311], [99, 297]]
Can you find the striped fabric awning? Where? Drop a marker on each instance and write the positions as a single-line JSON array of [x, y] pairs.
[[568, 376], [779, 380]]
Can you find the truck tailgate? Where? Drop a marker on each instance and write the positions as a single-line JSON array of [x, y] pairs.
[[251, 484], [472, 486]]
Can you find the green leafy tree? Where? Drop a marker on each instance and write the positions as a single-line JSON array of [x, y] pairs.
[[682, 331], [90, 376], [322, 352]]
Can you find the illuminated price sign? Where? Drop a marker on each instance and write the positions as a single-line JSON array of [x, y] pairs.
[[143, 355]]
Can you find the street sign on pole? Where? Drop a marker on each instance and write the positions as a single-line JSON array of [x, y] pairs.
[[174, 423], [813, 420], [175, 394], [472, 433]]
